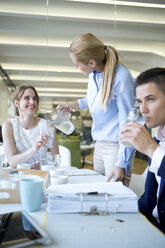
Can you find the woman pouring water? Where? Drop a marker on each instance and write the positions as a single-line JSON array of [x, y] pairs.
[[110, 95], [22, 136]]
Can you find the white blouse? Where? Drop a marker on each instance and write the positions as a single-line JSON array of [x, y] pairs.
[[25, 139]]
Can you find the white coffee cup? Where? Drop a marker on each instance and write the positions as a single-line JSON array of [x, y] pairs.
[[59, 179], [11, 183], [57, 172], [24, 166], [45, 167]]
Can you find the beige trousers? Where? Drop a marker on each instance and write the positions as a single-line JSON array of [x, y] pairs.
[[105, 157]]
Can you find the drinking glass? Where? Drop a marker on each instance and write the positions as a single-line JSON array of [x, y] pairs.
[[134, 115], [49, 131], [43, 155], [50, 141], [53, 160], [57, 160], [49, 158], [61, 121]]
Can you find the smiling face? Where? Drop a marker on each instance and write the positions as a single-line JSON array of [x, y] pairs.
[[152, 104], [86, 69], [28, 102]]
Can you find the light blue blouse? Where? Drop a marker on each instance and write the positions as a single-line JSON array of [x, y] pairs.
[[108, 123]]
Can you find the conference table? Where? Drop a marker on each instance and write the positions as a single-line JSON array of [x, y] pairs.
[[118, 230]]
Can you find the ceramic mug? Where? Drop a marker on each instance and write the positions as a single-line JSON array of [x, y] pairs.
[[24, 166], [59, 180], [45, 167], [31, 193], [57, 172]]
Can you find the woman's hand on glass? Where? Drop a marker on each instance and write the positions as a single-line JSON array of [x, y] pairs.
[[50, 141], [41, 141]]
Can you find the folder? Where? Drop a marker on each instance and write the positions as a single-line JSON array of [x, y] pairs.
[[91, 197]]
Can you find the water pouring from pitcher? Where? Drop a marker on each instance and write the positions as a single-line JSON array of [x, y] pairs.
[[61, 121]]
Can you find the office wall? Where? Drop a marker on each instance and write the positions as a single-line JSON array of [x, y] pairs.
[[6, 105], [4, 95]]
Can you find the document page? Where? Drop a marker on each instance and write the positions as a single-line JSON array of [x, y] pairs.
[[112, 188]]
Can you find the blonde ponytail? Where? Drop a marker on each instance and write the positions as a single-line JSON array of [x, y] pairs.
[[112, 60]]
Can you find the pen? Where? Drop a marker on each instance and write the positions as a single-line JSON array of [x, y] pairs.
[[92, 193]]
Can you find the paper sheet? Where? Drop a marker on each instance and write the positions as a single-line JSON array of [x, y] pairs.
[[113, 188]]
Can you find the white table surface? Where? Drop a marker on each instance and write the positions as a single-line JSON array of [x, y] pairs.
[[78, 231]]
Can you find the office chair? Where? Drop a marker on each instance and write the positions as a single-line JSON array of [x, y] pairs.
[[138, 182], [65, 156]]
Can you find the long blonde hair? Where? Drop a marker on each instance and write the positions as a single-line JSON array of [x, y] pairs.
[[86, 47]]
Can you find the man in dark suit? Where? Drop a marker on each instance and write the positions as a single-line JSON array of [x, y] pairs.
[[150, 94]]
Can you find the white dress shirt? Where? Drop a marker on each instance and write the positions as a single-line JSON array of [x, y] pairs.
[[157, 157]]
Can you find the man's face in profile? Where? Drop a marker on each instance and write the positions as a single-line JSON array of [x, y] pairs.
[[152, 104]]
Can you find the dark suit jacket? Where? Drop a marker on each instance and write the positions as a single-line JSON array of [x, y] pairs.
[[148, 200]]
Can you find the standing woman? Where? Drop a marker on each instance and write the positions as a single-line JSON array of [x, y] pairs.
[[110, 95], [24, 135]]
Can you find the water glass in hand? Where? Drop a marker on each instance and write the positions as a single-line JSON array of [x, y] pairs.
[[43, 155], [50, 141], [134, 115]]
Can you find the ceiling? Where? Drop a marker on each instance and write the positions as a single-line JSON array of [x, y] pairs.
[[35, 37]]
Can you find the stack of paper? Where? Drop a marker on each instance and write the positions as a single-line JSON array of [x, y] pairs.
[[75, 198], [82, 172]]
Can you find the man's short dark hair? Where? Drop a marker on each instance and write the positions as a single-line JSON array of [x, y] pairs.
[[155, 75]]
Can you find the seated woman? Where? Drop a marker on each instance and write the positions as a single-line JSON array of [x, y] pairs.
[[24, 135]]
